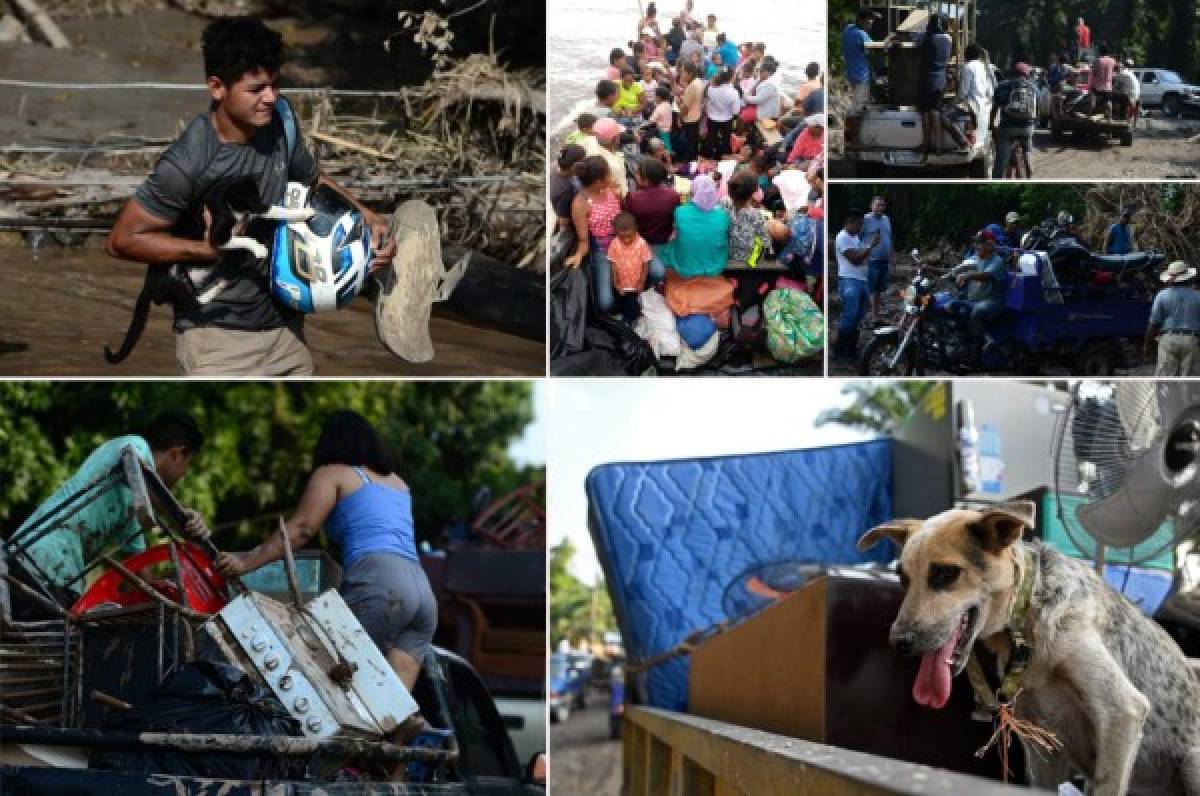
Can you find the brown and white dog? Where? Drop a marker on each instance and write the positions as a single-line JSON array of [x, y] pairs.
[[1110, 683]]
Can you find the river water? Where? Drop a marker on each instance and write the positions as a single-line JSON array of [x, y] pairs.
[[581, 34]]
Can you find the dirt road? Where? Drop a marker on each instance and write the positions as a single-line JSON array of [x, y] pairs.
[[60, 306], [1160, 150], [583, 761]]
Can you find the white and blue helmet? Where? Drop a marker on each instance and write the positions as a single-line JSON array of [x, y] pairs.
[[320, 264]]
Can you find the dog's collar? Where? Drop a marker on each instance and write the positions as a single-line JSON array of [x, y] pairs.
[[986, 700]]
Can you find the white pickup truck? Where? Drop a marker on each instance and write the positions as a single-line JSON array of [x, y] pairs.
[[1166, 89], [890, 137]]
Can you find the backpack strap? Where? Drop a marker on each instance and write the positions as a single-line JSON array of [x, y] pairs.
[[290, 134], [289, 125]]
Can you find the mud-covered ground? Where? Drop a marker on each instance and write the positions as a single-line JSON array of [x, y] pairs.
[[60, 306], [1161, 150], [583, 760]]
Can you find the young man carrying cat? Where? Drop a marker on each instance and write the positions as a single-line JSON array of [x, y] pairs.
[[242, 331]]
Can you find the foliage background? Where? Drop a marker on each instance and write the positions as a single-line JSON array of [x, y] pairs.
[[1159, 33], [1165, 215], [577, 611], [448, 439], [946, 211]]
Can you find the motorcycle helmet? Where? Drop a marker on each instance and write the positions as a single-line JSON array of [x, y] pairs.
[[320, 264]]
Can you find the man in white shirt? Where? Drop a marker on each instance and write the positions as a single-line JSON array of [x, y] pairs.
[[975, 80], [852, 253], [1126, 90]]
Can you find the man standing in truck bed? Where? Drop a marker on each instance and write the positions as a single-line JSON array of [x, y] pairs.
[[854, 50]]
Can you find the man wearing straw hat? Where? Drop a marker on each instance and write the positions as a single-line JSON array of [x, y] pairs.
[[1175, 322]]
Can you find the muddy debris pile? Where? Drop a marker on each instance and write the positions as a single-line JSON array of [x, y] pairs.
[[1164, 218], [468, 141]]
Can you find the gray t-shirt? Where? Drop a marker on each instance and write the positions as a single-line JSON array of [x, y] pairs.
[[175, 191], [1176, 309], [882, 251]]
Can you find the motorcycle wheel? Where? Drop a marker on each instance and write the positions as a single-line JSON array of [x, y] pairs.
[[879, 352], [1096, 360]]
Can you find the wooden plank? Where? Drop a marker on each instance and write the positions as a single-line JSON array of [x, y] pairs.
[[658, 765], [737, 676], [747, 761], [34, 16]]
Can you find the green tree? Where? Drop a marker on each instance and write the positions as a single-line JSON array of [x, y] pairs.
[[448, 439], [878, 406], [925, 215], [576, 609]]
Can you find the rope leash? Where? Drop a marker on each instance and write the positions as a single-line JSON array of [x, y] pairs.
[[999, 705], [684, 647]]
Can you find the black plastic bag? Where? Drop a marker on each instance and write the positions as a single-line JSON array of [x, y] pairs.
[[206, 697], [562, 246], [587, 363], [568, 312], [621, 343]]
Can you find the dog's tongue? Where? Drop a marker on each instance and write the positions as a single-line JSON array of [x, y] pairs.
[[932, 686]]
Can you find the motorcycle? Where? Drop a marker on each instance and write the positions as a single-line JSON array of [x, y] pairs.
[[934, 331]]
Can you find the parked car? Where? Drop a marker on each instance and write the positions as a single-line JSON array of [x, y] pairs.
[[1166, 89], [567, 686]]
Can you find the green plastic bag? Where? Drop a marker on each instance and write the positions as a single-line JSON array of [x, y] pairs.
[[795, 326]]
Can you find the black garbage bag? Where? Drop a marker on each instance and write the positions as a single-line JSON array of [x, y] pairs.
[[587, 363], [568, 312], [623, 345], [206, 697]]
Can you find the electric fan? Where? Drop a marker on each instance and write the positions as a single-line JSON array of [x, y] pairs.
[[1127, 457]]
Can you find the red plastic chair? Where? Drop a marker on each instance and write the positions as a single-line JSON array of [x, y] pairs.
[[205, 587]]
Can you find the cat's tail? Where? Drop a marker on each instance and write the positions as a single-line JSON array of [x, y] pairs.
[[137, 325]]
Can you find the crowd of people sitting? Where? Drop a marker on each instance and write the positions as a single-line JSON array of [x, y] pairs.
[[693, 191]]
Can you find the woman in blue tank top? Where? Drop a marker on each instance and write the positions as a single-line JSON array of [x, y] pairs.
[[367, 511]]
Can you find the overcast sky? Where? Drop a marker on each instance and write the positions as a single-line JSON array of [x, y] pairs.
[[597, 421], [530, 448]]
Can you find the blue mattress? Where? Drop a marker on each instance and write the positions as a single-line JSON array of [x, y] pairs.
[[680, 541]]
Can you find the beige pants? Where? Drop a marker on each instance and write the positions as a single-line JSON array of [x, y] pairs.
[[860, 94], [1177, 355], [213, 351]]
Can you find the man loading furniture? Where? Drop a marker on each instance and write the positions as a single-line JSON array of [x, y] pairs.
[[55, 562]]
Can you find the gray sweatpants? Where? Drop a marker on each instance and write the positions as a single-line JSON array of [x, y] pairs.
[[391, 597]]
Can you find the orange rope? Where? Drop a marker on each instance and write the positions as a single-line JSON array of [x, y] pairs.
[[1007, 724]]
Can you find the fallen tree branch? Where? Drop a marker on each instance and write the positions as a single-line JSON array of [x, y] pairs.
[[34, 16]]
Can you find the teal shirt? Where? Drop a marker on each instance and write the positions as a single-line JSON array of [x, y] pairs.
[[701, 243], [106, 522]]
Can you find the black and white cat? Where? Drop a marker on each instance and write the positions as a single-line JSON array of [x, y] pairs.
[[231, 204]]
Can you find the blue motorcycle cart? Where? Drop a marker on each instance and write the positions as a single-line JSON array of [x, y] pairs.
[[1067, 306]]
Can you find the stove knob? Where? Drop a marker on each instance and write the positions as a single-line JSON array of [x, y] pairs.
[[272, 663], [285, 683], [301, 705], [313, 724]]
